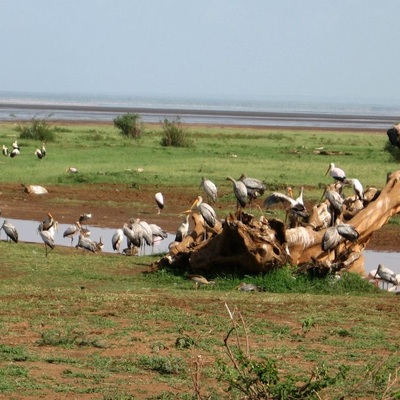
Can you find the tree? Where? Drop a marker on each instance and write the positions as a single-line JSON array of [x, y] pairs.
[[129, 125], [174, 134]]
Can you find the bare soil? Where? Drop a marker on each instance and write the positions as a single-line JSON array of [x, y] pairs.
[[112, 205]]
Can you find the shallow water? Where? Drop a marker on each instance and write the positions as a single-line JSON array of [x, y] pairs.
[[27, 232]]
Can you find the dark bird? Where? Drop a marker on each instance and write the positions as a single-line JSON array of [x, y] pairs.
[[240, 192], [394, 135], [72, 230], [336, 173], [10, 230], [159, 198], [255, 188], [210, 189], [117, 239]]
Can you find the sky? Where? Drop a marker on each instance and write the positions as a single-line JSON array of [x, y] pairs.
[[340, 50]]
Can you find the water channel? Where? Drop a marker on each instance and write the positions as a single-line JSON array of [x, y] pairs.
[[27, 232]]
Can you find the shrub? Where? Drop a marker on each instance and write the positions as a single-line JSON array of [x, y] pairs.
[[174, 134], [37, 129], [394, 151], [129, 125]]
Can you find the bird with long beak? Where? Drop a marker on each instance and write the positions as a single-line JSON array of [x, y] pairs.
[[205, 210], [200, 281], [336, 173]]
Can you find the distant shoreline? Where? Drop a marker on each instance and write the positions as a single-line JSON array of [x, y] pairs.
[[11, 111]]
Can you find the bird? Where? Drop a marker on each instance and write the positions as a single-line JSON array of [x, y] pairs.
[[205, 210], [240, 191], [39, 154], [335, 201], [5, 151], [394, 135], [14, 152], [293, 206], [85, 217], [147, 233], [249, 287], [87, 244], [117, 239], [347, 231], [387, 275], [255, 188], [336, 173], [330, 239], [357, 186], [43, 150], [134, 233], [72, 230], [158, 233], [10, 230], [15, 145], [199, 280], [72, 170], [47, 236], [159, 198], [47, 223], [183, 228], [210, 189]]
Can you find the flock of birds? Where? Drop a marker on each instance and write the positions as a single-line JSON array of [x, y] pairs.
[[139, 233], [15, 151]]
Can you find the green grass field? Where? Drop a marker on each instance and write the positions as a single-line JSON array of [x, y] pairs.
[[101, 326]]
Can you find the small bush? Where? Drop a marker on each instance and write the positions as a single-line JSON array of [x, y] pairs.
[[393, 151], [38, 129], [129, 125], [174, 134]]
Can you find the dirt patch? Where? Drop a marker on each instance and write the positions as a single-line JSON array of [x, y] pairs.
[[112, 205]]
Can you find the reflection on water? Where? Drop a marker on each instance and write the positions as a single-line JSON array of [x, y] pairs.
[[27, 232]]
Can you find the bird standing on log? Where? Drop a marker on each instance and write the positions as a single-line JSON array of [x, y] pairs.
[[205, 210], [240, 192]]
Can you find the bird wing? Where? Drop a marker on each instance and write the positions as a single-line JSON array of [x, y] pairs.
[[279, 198]]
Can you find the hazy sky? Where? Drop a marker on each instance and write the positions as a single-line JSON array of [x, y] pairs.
[[306, 49]]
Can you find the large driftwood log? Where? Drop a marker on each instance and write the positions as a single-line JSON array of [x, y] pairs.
[[244, 244]]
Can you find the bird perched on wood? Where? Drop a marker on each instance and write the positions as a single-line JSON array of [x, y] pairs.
[[240, 192], [292, 206], [200, 281], [335, 201], [357, 187], [205, 210], [5, 151], [336, 173], [255, 188], [117, 239], [10, 231], [72, 230], [210, 189], [183, 228], [159, 198], [39, 154]]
